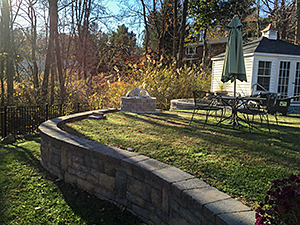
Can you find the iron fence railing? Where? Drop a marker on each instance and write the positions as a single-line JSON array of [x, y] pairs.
[[21, 120]]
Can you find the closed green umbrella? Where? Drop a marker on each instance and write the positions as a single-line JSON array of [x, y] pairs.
[[234, 65]]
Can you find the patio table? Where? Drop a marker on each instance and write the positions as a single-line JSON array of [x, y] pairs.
[[240, 104]]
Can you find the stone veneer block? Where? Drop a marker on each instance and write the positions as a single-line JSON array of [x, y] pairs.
[[193, 183], [151, 165], [236, 218], [132, 161], [107, 182], [201, 196], [112, 154], [169, 175], [121, 184], [139, 188], [228, 205]]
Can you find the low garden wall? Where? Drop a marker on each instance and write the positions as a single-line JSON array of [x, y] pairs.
[[158, 193]]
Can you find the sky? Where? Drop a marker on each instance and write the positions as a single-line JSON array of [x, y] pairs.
[[114, 6]]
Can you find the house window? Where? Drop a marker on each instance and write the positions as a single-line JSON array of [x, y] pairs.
[[297, 81], [283, 81], [263, 75], [191, 50]]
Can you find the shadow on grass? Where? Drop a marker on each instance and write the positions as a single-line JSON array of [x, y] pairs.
[[89, 209], [256, 143]]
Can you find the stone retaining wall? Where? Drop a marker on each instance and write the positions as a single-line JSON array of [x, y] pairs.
[[156, 192]]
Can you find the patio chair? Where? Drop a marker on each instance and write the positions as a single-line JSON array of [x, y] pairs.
[[254, 108], [279, 104], [207, 101], [282, 103], [276, 103]]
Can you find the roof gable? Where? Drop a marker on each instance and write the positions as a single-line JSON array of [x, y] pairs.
[[277, 47], [265, 45]]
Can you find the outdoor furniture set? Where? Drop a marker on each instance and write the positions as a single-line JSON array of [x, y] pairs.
[[243, 109]]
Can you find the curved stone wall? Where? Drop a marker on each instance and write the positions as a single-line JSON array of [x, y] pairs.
[[156, 192]]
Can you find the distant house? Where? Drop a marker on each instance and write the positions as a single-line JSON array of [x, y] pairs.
[[215, 46], [274, 64]]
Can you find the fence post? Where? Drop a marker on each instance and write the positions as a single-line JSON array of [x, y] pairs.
[[5, 122]]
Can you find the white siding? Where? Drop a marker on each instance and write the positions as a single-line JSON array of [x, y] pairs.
[[242, 88], [217, 67]]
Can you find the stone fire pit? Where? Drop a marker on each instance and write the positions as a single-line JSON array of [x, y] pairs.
[[138, 101]]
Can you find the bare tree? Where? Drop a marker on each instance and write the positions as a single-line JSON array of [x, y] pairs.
[[283, 15], [33, 20]]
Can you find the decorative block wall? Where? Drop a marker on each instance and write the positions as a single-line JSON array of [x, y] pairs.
[[138, 104], [158, 193]]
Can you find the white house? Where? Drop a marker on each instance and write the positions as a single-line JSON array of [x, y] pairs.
[[272, 63]]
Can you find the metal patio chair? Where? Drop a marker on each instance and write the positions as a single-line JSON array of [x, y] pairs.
[[207, 101], [254, 108]]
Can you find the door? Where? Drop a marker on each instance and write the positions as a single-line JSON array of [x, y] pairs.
[[297, 82], [283, 79]]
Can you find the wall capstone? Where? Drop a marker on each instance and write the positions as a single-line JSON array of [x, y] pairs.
[[158, 193]]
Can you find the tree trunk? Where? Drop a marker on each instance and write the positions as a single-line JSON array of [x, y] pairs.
[[182, 33], [87, 10], [146, 28], [8, 51], [204, 54], [2, 63], [33, 44], [53, 76], [175, 46], [2, 81], [257, 19], [58, 52], [159, 29], [50, 50], [60, 72]]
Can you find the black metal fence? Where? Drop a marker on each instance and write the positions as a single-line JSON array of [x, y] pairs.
[[21, 120]]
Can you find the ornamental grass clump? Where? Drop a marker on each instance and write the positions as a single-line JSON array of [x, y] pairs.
[[282, 203]]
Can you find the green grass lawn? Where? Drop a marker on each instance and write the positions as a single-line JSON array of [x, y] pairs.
[[30, 195], [235, 161]]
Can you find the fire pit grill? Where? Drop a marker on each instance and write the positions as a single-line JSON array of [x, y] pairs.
[[138, 92], [139, 101]]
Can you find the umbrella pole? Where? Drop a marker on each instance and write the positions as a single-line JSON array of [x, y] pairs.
[[234, 110], [234, 87]]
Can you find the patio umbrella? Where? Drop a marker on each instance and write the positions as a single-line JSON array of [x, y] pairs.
[[234, 65]]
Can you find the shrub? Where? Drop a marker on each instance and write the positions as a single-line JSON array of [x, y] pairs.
[[282, 203], [161, 78], [165, 82]]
